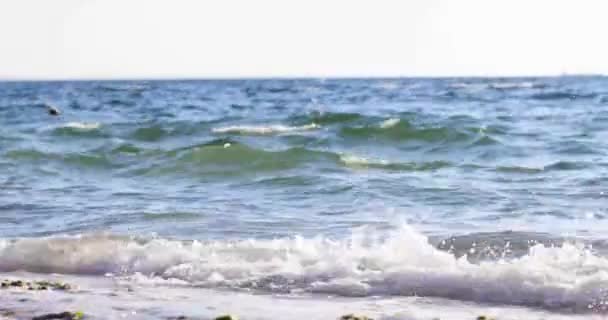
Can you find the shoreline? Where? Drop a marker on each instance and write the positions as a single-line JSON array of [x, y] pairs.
[[28, 297]]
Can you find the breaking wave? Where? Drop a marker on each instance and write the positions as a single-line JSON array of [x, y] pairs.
[[567, 277]]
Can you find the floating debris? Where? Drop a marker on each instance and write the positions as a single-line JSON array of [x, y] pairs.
[[53, 111]]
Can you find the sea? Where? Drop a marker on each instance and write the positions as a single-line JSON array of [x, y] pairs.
[[413, 198]]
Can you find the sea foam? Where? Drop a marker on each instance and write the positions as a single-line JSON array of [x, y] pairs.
[[390, 123], [367, 263], [357, 161], [85, 126], [264, 129]]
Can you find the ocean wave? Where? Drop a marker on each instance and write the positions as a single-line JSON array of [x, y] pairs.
[[400, 130], [79, 129], [368, 263], [484, 140], [220, 157], [150, 134], [83, 125], [555, 166], [498, 85], [234, 153], [562, 95], [170, 216], [224, 156], [518, 169], [127, 148], [327, 118], [565, 165], [355, 160], [468, 86], [155, 131], [77, 159], [264, 129], [516, 85], [389, 123], [358, 162], [118, 87]]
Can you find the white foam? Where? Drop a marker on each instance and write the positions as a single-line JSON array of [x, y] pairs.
[[264, 130], [473, 87], [512, 85], [85, 126], [478, 86], [152, 298], [390, 123], [388, 85], [357, 161], [368, 263]]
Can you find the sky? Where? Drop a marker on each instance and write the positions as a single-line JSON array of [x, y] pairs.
[[107, 39]]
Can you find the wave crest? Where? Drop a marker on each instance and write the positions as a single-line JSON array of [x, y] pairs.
[[264, 129], [357, 162], [83, 125], [401, 130], [79, 129]]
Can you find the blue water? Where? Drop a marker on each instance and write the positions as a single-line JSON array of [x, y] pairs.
[[461, 155], [506, 160]]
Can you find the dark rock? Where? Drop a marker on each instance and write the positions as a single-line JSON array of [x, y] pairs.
[[35, 285], [7, 313], [56, 316], [61, 286], [354, 317], [17, 283]]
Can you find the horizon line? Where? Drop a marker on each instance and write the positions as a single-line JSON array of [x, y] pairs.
[[296, 77]]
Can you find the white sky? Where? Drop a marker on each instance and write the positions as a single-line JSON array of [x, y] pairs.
[[42, 39]]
